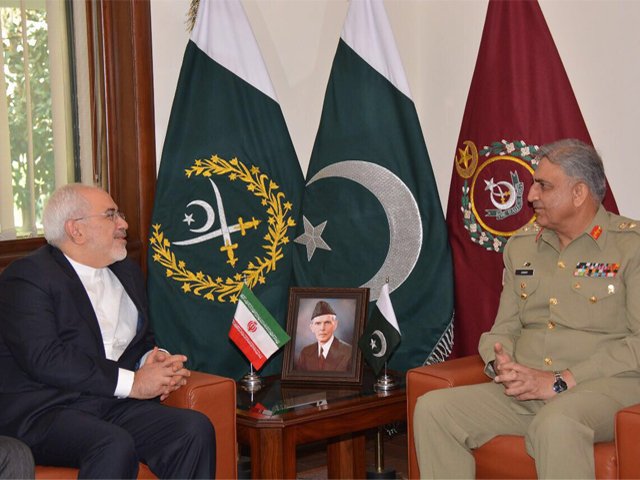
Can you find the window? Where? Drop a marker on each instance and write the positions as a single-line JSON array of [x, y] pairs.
[[120, 148], [45, 113]]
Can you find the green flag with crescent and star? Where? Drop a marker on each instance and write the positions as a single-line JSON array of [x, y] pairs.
[[228, 194], [382, 334], [371, 209]]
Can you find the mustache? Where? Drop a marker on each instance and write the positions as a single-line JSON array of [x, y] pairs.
[[121, 233]]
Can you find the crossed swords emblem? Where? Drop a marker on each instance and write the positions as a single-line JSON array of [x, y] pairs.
[[224, 231]]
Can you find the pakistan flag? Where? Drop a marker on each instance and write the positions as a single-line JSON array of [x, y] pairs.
[[371, 209], [228, 194]]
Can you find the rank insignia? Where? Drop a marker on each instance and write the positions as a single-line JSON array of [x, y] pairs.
[[596, 269], [627, 225], [596, 232]]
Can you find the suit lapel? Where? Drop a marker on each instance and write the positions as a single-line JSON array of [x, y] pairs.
[[78, 292]]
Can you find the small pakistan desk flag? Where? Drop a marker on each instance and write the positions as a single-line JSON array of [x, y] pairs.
[[382, 334], [255, 331]]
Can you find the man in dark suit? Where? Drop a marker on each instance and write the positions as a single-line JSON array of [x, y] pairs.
[[329, 353], [79, 366]]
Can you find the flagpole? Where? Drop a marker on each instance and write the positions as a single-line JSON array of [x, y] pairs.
[[251, 382], [380, 471], [385, 381]]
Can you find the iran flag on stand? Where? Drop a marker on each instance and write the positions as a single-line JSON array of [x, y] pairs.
[[255, 331]]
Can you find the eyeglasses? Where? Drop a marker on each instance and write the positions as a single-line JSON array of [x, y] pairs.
[[111, 214]]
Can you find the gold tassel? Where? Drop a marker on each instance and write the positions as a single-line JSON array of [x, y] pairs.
[[191, 15]]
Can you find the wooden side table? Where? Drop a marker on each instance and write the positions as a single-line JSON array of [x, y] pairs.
[[303, 415]]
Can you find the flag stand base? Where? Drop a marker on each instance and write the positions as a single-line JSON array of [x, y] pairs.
[[384, 383], [251, 382]]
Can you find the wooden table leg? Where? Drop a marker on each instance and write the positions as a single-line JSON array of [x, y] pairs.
[[346, 456], [273, 454]]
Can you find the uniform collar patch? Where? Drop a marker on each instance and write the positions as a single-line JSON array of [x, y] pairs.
[[596, 232]]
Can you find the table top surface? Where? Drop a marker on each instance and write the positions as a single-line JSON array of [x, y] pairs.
[[278, 400]]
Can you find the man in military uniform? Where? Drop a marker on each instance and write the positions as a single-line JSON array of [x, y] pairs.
[[565, 346], [329, 353]]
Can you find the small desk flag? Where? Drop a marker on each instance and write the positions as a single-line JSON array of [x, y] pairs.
[[382, 334], [255, 331]]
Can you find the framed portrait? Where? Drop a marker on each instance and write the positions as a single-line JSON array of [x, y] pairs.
[[325, 325]]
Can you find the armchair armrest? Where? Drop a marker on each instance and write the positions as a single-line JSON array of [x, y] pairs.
[[452, 373], [627, 445], [215, 397]]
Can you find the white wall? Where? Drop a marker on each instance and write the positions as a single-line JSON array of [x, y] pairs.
[[598, 40]]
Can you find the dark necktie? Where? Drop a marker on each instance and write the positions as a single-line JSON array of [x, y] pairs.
[[321, 360]]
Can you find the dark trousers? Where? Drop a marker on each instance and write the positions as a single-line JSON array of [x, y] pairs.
[[16, 460], [106, 438]]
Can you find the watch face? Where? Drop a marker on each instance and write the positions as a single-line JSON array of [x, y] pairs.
[[560, 385]]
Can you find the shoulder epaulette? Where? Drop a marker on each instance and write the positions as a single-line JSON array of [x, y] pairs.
[[528, 229], [618, 223], [626, 225]]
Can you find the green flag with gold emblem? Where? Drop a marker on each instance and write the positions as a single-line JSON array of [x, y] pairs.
[[228, 192]]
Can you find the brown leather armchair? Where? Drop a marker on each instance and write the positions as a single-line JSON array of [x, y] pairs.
[[618, 459], [210, 394]]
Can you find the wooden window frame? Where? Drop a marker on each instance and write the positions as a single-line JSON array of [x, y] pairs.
[[129, 122]]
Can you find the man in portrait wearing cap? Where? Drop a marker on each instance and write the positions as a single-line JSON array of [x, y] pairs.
[[329, 352]]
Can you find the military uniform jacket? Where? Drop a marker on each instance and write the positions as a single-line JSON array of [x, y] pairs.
[[576, 308]]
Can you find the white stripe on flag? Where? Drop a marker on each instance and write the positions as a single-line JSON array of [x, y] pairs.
[[254, 329], [368, 32], [244, 343], [385, 307], [223, 32]]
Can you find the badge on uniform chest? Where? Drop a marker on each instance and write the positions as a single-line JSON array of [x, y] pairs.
[[524, 272], [596, 269]]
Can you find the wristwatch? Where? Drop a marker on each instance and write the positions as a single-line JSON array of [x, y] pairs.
[[559, 385]]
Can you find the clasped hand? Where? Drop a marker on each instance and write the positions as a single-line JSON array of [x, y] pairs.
[[160, 375], [520, 382]]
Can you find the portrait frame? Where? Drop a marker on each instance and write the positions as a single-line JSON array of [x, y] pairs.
[[350, 308]]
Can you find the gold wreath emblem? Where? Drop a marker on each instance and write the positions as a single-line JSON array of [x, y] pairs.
[[467, 159], [277, 208]]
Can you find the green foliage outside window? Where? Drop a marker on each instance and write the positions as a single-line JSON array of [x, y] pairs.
[[42, 123]]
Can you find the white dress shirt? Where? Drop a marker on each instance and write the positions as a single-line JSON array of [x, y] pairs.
[[117, 316]]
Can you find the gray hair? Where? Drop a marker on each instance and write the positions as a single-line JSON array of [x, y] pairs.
[[67, 202], [578, 160]]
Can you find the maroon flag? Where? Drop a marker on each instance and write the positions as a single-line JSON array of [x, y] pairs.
[[520, 98]]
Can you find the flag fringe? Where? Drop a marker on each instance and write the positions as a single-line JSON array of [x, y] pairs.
[[443, 348], [191, 15]]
